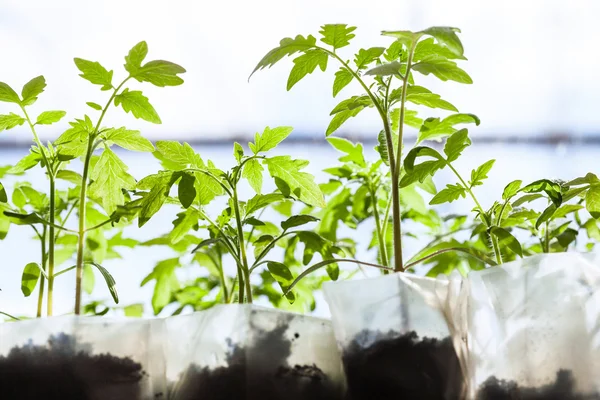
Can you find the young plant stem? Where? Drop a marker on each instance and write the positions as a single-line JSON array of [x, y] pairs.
[[482, 214], [40, 304], [547, 238], [52, 211], [378, 228], [83, 201], [242, 245]]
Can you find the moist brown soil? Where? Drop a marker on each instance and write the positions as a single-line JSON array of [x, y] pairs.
[[65, 370], [259, 371], [401, 367], [563, 388]]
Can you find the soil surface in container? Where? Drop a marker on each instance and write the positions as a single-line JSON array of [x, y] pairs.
[[66, 370], [259, 371], [563, 388], [401, 367]]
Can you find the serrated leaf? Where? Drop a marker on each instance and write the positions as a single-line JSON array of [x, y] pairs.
[[166, 283], [287, 47], [511, 189], [456, 144], [422, 172], [449, 194], [291, 181], [32, 90], [261, 201], [129, 140], [253, 172], [109, 178], [186, 190], [338, 119], [238, 152], [297, 220], [392, 68], [342, 78], [183, 224], [480, 174], [415, 95], [10, 121], [592, 200], [506, 239], [8, 95], [552, 189], [566, 209], [160, 186], [353, 103], [95, 73], [135, 57], [138, 105], [160, 73], [447, 36], [427, 48], [50, 117], [443, 69], [306, 64], [337, 35], [364, 57], [179, 154], [407, 38], [434, 128], [420, 151], [270, 138], [282, 275], [589, 178], [69, 176], [30, 278], [354, 152]]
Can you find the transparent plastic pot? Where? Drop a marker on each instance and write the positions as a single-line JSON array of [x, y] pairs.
[[237, 352], [82, 358], [533, 329], [397, 335]]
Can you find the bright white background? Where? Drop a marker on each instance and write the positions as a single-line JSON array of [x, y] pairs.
[[534, 62]]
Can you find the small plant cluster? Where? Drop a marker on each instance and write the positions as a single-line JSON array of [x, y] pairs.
[[236, 249]]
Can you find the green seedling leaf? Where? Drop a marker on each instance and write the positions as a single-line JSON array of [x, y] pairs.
[[291, 181], [297, 220], [565, 210], [306, 64], [364, 57], [134, 310], [353, 103], [183, 224], [442, 69], [3, 196], [238, 152], [160, 187], [95, 73], [69, 176], [339, 119], [592, 200], [253, 172], [110, 281], [269, 139], [406, 38], [389, 69], [448, 194], [589, 178], [447, 37], [166, 283], [135, 57], [95, 106], [50, 117], [129, 140], [546, 215], [420, 151], [511, 190], [337, 35], [30, 278], [182, 155], [422, 96], [343, 77], [422, 172], [160, 73], [428, 48], [205, 243], [456, 144], [354, 152], [261, 201], [186, 190], [109, 177], [287, 47], [138, 105], [10, 121], [480, 174], [282, 274], [434, 128], [25, 219], [552, 190], [32, 90], [8, 95], [507, 240], [89, 279]]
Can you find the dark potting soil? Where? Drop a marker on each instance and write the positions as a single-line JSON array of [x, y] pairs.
[[401, 368], [61, 371], [259, 371], [563, 388]]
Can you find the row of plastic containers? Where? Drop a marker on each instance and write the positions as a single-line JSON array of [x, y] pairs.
[[525, 330]]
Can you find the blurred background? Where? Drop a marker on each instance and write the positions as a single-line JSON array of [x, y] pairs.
[[533, 64]]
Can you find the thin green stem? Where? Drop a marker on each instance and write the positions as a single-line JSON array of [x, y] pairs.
[[210, 175], [64, 221], [226, 240], [547, 238], [52, 210], [378, 228], [83, 200], [242, 245], [40, 304], [482, 214], [479, 257]]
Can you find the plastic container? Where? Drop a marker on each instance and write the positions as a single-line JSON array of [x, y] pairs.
[[82, 358], [237, 352]]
